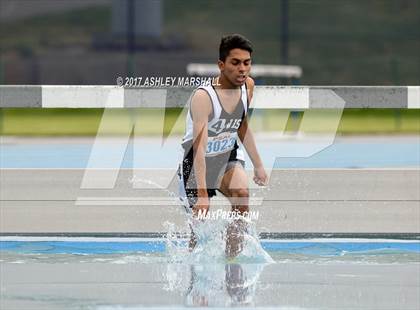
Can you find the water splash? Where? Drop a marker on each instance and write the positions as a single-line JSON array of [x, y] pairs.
[[211, 236], [176, 244], [135, 181]]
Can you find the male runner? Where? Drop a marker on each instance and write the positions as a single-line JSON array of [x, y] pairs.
[[213, 161]]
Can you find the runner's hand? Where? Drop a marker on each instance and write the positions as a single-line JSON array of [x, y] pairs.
[[203, 203], [260, 176]]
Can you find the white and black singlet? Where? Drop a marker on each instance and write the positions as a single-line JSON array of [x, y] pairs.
[[222, 145]]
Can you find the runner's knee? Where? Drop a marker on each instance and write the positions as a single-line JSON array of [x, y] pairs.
[[240, 209], [240, 192]]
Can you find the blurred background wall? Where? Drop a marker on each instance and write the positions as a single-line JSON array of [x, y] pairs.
[[374, 42]]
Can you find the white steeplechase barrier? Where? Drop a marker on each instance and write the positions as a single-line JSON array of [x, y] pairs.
[[281, 97]]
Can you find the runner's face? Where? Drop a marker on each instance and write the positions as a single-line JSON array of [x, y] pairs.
[[236, 66]]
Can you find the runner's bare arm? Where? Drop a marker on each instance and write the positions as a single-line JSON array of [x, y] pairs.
[[247, 139], [200, 110]]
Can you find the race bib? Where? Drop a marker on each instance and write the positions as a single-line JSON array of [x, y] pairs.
[[220, 144]]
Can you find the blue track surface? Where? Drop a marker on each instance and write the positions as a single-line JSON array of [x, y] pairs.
[[345, 154], [301, 247]]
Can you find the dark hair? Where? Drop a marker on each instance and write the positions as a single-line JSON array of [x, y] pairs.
[[231, 42]]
